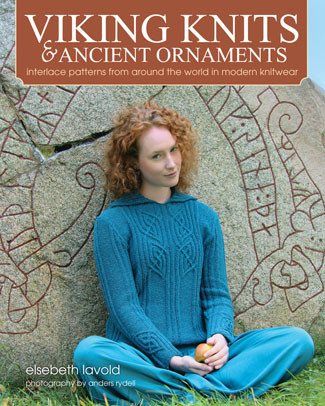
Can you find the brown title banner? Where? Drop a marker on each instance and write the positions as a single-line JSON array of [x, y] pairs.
[[170, 42]]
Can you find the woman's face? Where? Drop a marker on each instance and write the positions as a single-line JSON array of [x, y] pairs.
[[159, 158]]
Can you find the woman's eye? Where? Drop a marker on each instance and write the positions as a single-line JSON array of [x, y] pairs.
[[174, 148], [157, 156]]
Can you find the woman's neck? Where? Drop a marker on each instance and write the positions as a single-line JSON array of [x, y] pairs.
[[159, 195]]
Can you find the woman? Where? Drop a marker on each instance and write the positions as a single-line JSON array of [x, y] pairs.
[[160, 258]]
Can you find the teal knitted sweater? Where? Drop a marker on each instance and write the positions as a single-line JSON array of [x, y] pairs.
[[162, 271]]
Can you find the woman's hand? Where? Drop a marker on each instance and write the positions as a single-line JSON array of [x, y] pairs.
[[218, 355], [188, 364]]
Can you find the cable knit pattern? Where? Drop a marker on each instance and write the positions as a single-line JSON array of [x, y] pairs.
[[163, 275]]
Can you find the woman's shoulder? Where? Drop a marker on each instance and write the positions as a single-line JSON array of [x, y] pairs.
[[209, 220], [206, 211], [113, 216]]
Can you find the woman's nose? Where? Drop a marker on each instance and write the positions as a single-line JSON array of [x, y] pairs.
[[170, 163]]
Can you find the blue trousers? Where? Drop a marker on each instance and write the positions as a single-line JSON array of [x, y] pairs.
[[258, 360]]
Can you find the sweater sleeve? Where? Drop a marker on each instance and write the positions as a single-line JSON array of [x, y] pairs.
[[217, 304], [117, 282]]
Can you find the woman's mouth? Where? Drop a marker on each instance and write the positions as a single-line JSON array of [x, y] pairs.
[[171, 175]]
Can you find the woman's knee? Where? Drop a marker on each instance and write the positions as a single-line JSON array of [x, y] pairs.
[[88, 348], [303, 340]]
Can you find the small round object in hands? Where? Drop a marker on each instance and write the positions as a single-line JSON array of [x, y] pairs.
[[200, 350]]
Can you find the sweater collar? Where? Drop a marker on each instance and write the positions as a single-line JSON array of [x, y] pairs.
[[136, 198]]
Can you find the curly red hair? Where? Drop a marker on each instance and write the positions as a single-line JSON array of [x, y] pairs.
[[121, 150]]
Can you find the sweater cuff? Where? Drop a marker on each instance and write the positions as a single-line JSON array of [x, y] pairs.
[[221, 325], [163, 357]]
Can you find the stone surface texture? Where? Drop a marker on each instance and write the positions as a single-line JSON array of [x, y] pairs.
[[261, 167]]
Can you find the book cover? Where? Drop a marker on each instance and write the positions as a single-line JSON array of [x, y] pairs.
[[238, 72]]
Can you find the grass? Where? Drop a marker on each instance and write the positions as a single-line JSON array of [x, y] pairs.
[[307, 388]]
